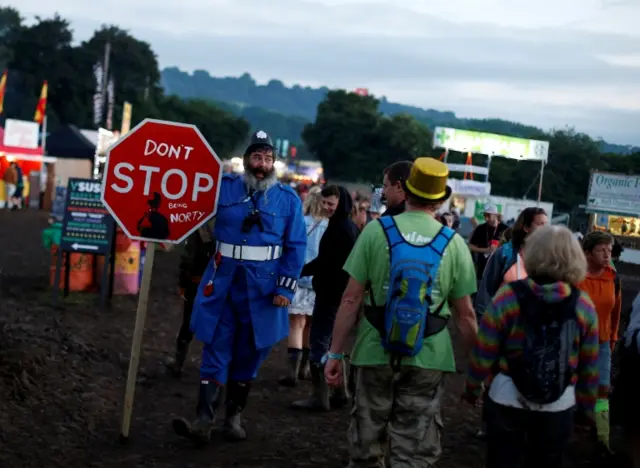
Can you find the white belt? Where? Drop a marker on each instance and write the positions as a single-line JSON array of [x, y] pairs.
[[250, 252]]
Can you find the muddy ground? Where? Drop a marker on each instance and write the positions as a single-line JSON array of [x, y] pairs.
[[63, 371]]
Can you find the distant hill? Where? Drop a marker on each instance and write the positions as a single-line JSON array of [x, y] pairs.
[[284, 111]]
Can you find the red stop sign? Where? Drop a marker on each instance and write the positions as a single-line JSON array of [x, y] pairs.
[[161, 181]]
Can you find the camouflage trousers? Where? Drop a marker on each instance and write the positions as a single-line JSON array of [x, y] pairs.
[[396, 417]]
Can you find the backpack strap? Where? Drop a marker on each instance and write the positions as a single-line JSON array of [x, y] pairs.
[[394, 238], [616, 282], [436, 323], [391, 232]]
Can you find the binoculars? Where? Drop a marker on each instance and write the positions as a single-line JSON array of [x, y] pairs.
[[252, 220]]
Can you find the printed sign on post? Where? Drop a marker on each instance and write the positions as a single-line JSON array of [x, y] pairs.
[[614, 193], [86, 226]]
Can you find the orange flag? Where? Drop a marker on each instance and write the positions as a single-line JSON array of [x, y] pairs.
[[42, 104], [3, 87]]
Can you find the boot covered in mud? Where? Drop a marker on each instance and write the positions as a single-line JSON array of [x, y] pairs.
[[176, 364], [305, 371], [237, 396], [319, 399], [199, 431], [295, 358]]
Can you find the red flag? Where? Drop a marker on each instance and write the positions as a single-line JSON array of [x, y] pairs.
[[42, 104]]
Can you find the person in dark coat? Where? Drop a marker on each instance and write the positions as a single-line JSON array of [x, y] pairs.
[[198, 249], [329, 282]]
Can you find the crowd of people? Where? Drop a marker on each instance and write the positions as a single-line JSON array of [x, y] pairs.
[[538, 312]]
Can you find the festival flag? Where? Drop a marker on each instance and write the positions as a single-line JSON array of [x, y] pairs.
[[110, 100], [98, 102], [3, 87], [42, 104]]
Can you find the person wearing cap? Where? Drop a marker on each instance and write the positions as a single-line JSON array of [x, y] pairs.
[[486, 237], [399, 408], [240, 310]]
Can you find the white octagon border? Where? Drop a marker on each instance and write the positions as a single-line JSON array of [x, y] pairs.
[[128, 135]]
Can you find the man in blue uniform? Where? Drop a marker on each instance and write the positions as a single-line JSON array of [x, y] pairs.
[[241, 308]]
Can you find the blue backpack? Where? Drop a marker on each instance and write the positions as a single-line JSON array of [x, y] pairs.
[[406, 318]]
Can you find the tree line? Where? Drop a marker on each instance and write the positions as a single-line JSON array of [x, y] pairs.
[[284, 110], [44, 50], [355, 141]]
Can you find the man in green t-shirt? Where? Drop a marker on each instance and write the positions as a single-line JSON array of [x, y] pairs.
[[409, 395]]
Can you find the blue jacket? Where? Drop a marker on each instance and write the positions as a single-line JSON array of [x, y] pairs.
[[283, 225]]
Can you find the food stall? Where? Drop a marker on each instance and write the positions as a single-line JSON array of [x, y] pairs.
[[464, 195], [19, 142]]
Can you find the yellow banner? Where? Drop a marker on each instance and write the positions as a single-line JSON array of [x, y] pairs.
[[126, 118]]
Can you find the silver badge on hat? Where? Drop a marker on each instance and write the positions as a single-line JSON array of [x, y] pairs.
[[262, 135]]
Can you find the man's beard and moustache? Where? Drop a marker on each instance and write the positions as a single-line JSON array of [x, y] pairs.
[[259, 184]]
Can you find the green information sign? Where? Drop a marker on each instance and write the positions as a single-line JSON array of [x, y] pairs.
[[490, 144]]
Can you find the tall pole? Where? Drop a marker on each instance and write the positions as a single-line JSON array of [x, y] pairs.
[[540, 183], [44, 135], [105, 75]]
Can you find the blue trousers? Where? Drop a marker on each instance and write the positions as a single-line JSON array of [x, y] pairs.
[[232, 354]]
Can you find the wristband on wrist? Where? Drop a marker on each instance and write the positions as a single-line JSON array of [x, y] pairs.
[[335, 356]]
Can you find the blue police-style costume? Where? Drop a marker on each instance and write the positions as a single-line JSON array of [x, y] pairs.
[[260, 247]]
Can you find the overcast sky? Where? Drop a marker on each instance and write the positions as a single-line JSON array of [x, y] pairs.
[[550, 63]]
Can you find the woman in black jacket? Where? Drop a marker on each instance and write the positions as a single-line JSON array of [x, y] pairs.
[[329, 282]]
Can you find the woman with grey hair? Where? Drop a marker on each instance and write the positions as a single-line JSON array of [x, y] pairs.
[[538, 339]]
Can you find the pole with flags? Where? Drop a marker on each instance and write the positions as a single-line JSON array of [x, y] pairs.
[[3, 87], [98, 73], [110, 103], [41, 112]]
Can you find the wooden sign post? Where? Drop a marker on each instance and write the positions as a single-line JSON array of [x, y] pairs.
[[136, 343]]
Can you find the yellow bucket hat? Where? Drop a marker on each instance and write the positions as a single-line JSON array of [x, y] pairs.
[[428, 180]]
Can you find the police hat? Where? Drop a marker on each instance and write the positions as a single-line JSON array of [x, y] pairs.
[[259, 139]]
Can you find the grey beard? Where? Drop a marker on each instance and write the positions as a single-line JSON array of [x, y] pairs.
[[260, 185]]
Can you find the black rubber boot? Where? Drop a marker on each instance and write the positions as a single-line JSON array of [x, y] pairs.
[[339, 398], [294, 363], [305, 371], [237, 396], [319, 399], [199, 431], [176, 364]]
